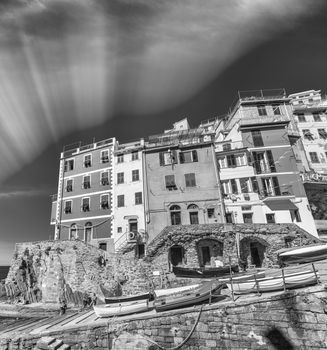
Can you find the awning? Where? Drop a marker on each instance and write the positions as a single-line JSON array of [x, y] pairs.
[[280, 204]]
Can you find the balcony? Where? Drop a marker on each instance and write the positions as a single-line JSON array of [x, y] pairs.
[[264, 120], [277, 193]]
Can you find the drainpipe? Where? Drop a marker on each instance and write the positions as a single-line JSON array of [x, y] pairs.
[[146, 195], [222, 206]]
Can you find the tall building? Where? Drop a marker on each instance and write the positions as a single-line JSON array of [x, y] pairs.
[[129, 222], [257, 165], [181, 179], [82, 207]]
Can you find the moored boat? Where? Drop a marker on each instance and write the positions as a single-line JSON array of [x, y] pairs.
[[122, 299], [173, 291], [207, 272], [207, 292], [303, 255], [276, 283], [242, 277], [120, 309]]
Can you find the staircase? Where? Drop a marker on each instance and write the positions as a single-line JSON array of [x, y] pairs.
[[49, 343], [123, 244]]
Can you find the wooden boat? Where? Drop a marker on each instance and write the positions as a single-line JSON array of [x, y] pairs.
[[208, 291], [120, 309], [303, 255], [269, 284], [122, 299], [207, 272], [173, 291], [242, 277]]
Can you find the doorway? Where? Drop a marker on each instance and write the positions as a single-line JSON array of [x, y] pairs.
[[176, 255], [206, 257]]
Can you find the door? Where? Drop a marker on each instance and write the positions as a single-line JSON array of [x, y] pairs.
[[205, 255], [255, 257], [176, 255]]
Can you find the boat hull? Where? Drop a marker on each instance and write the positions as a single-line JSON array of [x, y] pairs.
[[303, 255], [120, 309], [204, 273], [122, 299]]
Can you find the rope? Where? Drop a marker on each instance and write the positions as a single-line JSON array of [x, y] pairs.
[[184, 341]]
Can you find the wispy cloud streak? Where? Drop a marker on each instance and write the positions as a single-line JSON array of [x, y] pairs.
[[27, 192], [68, 65]]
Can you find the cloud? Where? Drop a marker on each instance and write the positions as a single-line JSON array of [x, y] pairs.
[[27, 192], [67, 65]]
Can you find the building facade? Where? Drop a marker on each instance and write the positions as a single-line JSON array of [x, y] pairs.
[[82, 207]]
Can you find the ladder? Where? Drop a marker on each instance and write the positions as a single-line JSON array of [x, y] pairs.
[[59, 199]]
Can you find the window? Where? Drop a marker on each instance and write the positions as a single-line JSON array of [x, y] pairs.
[[104, 156], [194, 219], [135, 155], [301, 118], [120, 178], [262, 110], [247, 218], [139, 251], [254, 183], [87, 160], [276, 110], [244, 184], [234, 186], [314, 157], [69, 185], [120, 158], [86, 204], [240, 160], [138, 198], [68, 207], [120, 200], [270, 218], [307, 134], [175, 215], [190, 180], [322, 134], [257, 138], [231, 161], [103, 246], [133, 227], [170, 182], [119, 229], [270, 186], [104, 201], [227, 147], [188, 157], [271, 161], [229, 218], [86, 182], [69, 165], [88, 232], [73, 231], [105, 178], [316, 117], [295, 215], [135, 175], [168, 158], [211, 213]]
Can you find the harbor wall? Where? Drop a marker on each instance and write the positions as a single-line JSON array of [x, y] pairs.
[[292, 320]]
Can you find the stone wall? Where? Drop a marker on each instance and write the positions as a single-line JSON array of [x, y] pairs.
[[292, 320]]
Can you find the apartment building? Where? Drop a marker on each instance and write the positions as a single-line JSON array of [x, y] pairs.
[[181, 179], [257, 165], [129, 222], [82, 207], [309, 111]]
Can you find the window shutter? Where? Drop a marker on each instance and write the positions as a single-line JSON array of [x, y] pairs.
[[181, 157], [271, 162], [195, 156], [276, 186], [173, 156], [161, 158]]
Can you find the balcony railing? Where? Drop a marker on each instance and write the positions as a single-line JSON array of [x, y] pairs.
[[264, 120], [280, 191]]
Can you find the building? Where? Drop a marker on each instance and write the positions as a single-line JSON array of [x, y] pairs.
[[129, 222], [257, 164], [181, 179], [82, 207], [309, 111]]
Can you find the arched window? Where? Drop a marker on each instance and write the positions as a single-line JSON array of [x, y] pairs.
[[88, 232], [194, 214], [175, 215], [73, 231]]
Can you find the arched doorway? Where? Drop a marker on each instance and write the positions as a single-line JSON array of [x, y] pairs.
[[88, 232], [176, 255], [252, 251], [208, 249], [73, 231]]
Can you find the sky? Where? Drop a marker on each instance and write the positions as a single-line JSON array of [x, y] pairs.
[[75, 70]]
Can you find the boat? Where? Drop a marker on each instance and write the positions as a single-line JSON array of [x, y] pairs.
[[275, 283], [207, 272], [122, 299], [242, 277], [207, 292], [125, 308], [173, 291], [301, 255]]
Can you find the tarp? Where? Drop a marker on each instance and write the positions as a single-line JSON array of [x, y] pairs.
[[280, 204]]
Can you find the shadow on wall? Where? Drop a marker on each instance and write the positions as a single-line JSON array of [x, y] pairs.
[[279, 340]]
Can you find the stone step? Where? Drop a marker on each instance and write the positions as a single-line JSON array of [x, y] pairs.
[[64, 347], [45, 342], [56, 345]]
